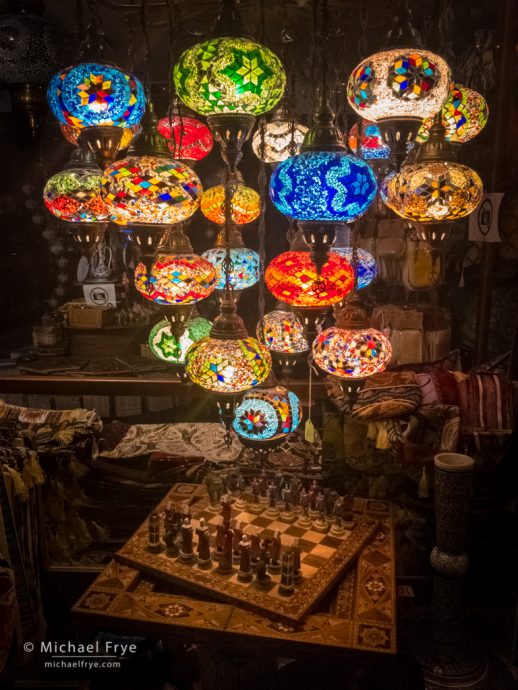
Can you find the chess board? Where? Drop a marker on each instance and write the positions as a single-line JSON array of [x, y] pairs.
[[323, 557]]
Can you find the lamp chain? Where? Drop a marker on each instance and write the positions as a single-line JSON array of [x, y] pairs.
[[262, 221], [227, 261], [144, 21]]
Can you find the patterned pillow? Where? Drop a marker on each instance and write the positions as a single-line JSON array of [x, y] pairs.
[[386, 395], [486, 404]]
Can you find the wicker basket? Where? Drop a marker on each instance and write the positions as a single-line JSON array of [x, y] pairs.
[[82, 316]]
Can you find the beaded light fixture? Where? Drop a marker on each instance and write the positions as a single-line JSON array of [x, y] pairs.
[[282, 137]]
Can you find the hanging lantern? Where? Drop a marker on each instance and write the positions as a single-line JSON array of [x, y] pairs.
[[281, 138], [351, 350], [245, 267], [365, 140], [164, 344], [74, 194], [72, 134], [176, 279], [283, 334], [463, 115], [267, 415], [246, 204], [365, 264], [188, 139]]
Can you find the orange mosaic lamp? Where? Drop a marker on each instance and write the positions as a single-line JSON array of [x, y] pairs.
[[246, 204]]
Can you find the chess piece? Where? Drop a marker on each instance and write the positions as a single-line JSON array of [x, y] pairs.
[[225, 561], [304, 519], [255, 506], [320, 524], [244, 574], [226, 509], [220, 539], [313, 494], [336, 529], [274, 565], [238, 533], [241, 503], [263, 489], [202, 532], [286, 586], [254, 550], [153, 539], [295, 496], [297, 573], [347, 513], [186, 552], [272, 512], [215, 489], [262, 579], [287, 514]]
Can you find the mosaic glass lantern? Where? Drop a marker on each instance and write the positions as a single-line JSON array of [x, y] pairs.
[[176, 279], [229, 75], [292, 278], [281, 138], [365, 264], [463, 115], [323, 186], [72, 134], [245, 267], [365, 140], [246, 204], [281, 331], [151, 189], [187, 138], [91, 94], [267, 415], [164, 344]]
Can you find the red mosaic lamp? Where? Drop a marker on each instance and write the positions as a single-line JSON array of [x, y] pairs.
[[188, 139]]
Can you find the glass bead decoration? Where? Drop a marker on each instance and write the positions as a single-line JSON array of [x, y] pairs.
[[351, 353], [71, 134], [365, 266], [399, 83], [282, 138], [246, 204], [187, 137], [292, 278], [267, 414], [91, 94], [74, 195], [151, 189], [281, 331], [164, 344], [176, 279], [463, 115], [229, 75], [432, 191], [245, 267], [228, 366], [365, 140], [323, 186]]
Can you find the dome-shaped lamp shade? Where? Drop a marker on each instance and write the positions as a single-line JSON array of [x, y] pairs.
[[92, 94], [282, 331], [464, 115], [432, 191], [245, 267], [282, 138], [71, 134], [176, 279], [167, 347], [399, 83], [187, 138], [228, 366], [292, 278], [365, 140], [323, 186], [74, 195], [351, 354], [246, 204], [365, 267], [267, 414], [229, 75], [151, 189]]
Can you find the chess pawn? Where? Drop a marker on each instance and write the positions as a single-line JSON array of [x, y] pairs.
[[254, 550], [286, 586], [202, 532], [297, 573], [244, 574], [153, 539], [225, 562], [186, 552], [274, 565], [236, 550], [262, 579]]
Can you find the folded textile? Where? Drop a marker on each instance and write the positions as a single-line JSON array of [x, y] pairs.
[[386, 395]]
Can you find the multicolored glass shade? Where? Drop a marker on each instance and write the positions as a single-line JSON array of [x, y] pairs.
[[351, 354], [71, 134], [323, 186], [151, 189], [365, 264], [164, 344], [267, 414], [282, 331], [245, 267], [187, 138], [463, 115], [74, 195], [92, 94], [229, 75], [282, 138], [292, 278], [228, 366], [176, 279], [432, 191], [399, 83], [246, 204], [365, 140]]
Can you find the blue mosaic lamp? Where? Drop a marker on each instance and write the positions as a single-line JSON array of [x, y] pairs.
[[267, 416], [365, 264], [245, 267]]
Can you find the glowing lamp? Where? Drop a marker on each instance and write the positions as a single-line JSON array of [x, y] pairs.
[[463, 115], [245, 267], [176, 279], [246, 204], [164, 344], [365, 140], [187, 138], [281, 138], [365, 264], [267, 415], [281, 331]]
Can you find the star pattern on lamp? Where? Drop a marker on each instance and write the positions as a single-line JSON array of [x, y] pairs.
[[412, 76], [169, 346], [248, 71], [95, 89]]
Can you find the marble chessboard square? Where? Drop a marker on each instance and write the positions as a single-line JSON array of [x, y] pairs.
[[323, 557]]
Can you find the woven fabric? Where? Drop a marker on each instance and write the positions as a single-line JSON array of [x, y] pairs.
[[486, 404], [386, 395]]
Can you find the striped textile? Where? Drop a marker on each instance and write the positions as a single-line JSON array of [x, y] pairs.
[[486, 404]]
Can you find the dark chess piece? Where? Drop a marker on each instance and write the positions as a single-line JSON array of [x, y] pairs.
[[297, 572], [170, 538], [255, 550], [347, 513], [153, 539], [220, 539], [262, 579], [272, 512], [336, 529], [186, 551], [313, 494], [255, 506], [304, 519], [236, 550], [225, 561], [226, 510], [287, 514], [263, 488], [244, 574], [203, 534], [275, 553], [241, 503], [286, 586], [320, 524]]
